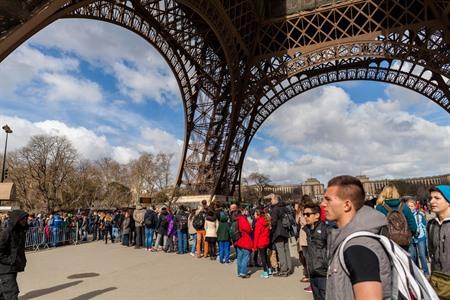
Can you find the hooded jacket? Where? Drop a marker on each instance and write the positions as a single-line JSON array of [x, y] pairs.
[[223, 232], [245, 242], [12, 244], [261, 238], [339, 286], [439, 238]]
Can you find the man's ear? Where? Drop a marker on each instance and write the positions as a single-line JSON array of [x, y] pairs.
[[348, 205]]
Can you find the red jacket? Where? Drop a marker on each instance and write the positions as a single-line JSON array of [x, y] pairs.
[[262, 233], [245, 241]]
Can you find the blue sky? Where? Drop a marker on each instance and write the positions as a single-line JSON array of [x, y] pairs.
[[112, 94]]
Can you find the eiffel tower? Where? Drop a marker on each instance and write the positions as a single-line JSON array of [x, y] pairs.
[[237, 61]]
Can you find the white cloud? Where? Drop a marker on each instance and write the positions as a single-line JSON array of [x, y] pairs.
[[272, 151], [61, 87], [157, 140], [324, 133], [139, 69], [26, 64], [91, 145], [123, 155], [88, 144]]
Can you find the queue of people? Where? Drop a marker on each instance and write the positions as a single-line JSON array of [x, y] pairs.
[[347, 248]]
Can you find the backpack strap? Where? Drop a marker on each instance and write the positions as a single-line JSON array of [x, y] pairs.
[[387, 207], [400, 207]]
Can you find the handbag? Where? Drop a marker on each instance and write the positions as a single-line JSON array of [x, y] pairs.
[[441, 284]]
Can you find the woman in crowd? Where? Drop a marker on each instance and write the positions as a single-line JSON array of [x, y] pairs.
[[211, 226], [389, 201], [418, 247], [192, 232], [261, 240], [126, 229]]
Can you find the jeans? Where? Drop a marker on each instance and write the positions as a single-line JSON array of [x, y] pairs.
[[243, 256], [224, 251], [115, 233], [418, 253], [148, 240], [318, 286], [182, 241], [194, 242], [9, 289], [284, 256], [126, 239]]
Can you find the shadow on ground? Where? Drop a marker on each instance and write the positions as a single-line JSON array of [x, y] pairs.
[[93, 294], [42, 292], [82, 275]]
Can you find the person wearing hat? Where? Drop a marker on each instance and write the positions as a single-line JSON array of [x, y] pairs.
[[12, 254], [439, 240]]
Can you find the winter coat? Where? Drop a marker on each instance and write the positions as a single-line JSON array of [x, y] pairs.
[[126, 225], [170, 225], [211, 226], [179, 221], [12, 244], [439, 238], [138, 216], [439, 245], [339, 285], [162, 223], [261, 236], [191, 229], [150, 216], [245, 241], [277, 229], [316, 255], [394, 204], [223, 232]]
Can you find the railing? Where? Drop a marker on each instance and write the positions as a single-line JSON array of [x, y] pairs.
[[38, 237]]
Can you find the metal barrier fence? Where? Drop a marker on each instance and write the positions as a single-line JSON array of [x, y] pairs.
[[37, 237]]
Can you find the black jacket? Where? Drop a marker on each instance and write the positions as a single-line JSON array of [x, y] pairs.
[[12, 244], [316, 252], [278, 232]]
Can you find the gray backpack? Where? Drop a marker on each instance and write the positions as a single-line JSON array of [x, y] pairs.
[[408, 281]]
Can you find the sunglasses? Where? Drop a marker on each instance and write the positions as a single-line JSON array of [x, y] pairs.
[[308, 214]]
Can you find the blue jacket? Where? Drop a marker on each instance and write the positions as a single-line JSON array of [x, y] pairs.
[[394, 204]]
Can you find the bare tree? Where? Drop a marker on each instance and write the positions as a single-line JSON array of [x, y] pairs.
[[261, 181], [49, 161]]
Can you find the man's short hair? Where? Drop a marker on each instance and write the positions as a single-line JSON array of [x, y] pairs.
[[204, 202], [314, 207], [349, 188]]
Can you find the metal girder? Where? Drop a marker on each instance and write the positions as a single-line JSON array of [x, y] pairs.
[[235, 68]]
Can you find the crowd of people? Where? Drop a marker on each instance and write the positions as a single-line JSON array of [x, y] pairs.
[[341, 242]]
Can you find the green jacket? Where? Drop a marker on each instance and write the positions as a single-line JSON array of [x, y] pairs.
[[223, 232]]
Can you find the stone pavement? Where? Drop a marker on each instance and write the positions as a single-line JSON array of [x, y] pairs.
[[96, 270]]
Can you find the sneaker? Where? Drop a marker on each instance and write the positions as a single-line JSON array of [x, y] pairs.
[[269, 271], [308, 289], [192, 254], [244, 276], [264, 275]]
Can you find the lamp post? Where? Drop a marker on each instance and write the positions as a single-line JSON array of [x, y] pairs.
[[8, 131]]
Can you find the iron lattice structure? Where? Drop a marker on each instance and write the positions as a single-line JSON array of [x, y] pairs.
[[237, 61]]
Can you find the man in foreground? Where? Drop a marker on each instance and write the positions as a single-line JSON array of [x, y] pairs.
[[12, 254], [439, 240], [370, 275]]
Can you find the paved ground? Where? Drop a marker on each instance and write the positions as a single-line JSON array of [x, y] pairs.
[[100, 271]]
